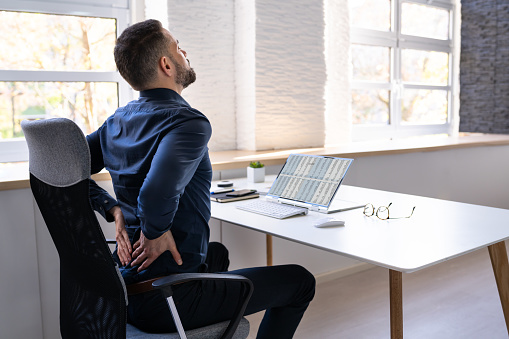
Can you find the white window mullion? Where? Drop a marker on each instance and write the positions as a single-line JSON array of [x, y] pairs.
[[64, 76], [446, 4], [410, 130], [363, 36], [425, 44], [105, 9], [13, 150], [427, 87], [370, 85], [396, 70]]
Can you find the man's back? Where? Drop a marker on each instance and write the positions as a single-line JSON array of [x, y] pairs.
[[155, 149]]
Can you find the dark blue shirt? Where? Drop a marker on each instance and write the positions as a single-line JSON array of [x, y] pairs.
[[155, 149]]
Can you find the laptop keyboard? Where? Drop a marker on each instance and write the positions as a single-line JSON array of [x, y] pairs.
[[272, 209]]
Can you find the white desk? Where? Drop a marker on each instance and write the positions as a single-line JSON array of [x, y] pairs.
[[438, 230]]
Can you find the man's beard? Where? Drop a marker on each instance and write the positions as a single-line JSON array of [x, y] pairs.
[[185, 77]]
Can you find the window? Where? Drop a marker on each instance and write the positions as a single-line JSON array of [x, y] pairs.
[[401, 60], [57, 61]]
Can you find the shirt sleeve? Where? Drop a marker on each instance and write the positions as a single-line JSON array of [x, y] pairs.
[[100, 200], [177, 157]]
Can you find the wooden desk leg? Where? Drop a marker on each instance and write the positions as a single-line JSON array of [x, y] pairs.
[[498, 255], [269, 249], [396, 301]]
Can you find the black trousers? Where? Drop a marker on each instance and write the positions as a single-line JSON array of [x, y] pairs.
[[283, 291]]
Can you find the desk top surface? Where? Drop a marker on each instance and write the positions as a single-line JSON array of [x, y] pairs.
[[438, 230]]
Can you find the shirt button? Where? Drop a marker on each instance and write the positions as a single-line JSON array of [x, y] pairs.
[[105, 201]]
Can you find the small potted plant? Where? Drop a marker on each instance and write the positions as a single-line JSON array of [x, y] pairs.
[[256, 172]]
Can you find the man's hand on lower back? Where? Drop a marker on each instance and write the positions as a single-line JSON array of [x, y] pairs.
[[146, 250], [123, 244]]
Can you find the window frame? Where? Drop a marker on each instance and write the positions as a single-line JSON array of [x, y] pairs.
[[14, 150], [397, 41]]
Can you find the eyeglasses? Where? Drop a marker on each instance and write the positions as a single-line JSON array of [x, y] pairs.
[[382, 212]]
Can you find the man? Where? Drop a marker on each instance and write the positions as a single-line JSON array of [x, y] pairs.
[[155, 149]]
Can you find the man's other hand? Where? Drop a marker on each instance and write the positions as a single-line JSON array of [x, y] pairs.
[[146, 251], [123, 244]]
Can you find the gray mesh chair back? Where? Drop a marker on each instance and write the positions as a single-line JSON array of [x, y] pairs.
[[92, 294]]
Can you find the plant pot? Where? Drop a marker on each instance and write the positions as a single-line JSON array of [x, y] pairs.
[[256, 174]]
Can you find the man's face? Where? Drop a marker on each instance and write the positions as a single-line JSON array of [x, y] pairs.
[[184, 74]]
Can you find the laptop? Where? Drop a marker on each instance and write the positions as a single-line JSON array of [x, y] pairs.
[[312, 181]]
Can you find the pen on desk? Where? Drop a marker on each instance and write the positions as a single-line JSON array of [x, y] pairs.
[[224, 190]]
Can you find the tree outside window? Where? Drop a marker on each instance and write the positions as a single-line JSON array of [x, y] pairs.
[[69, 51]]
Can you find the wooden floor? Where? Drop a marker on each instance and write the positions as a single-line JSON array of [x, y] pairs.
[[455, 299]]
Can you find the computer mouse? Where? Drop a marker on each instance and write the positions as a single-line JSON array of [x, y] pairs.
[[329, 222]]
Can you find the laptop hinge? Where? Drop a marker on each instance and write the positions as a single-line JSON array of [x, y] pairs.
[[272, 199], [299, 204]]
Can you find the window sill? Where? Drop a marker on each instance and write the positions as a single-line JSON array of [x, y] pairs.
[[237, 159], [15, 175]]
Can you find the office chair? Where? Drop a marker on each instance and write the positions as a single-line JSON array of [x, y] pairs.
[[93, 296]]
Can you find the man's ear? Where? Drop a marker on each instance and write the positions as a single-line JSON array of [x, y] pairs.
[[165, 65]]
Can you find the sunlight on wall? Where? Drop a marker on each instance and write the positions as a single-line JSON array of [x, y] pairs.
[[338, 121], [290, 74], [245, 69], [157, 9]]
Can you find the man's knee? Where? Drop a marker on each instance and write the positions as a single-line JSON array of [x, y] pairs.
[[310, 280], [218, 248], [217, 257], [306, 280]]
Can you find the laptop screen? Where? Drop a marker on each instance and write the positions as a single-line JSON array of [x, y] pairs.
[[310, 179]]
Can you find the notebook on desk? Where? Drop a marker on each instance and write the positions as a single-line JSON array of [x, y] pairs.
[[311, 182]]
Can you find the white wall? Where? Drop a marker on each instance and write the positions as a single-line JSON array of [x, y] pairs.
[[290, 74], [475, 175], [20, 302], [261, 70], [245, 74], [338, 117]]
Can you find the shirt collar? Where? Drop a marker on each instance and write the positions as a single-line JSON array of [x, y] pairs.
[[163, 94]]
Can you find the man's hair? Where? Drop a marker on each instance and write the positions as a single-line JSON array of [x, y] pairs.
[[138, 50]]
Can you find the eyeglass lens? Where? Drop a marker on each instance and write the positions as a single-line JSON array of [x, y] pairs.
[[383, 212], [369, 210]]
